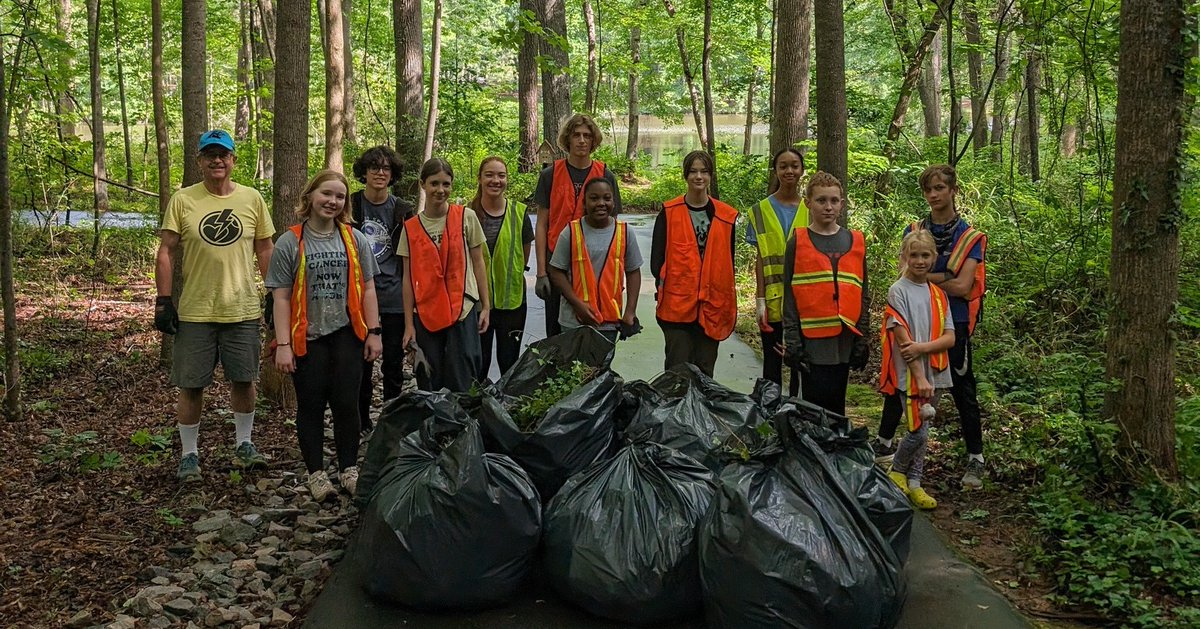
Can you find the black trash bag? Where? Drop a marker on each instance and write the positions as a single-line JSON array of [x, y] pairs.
[[786, 545], [694, 414], [399, 418], [543, 359], [620, 536], [767, 395], [852, 458], [575, 433], [449, 526]]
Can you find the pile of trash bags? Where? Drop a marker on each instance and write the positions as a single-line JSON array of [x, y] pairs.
[[642, 502]]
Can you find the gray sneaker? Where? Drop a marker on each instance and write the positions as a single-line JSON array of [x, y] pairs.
[[189, 469], [973, 478], [883, 454], [247, 457]]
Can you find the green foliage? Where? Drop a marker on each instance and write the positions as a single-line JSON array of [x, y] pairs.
[[528, 410], [155, 446], [168, 517], [75, 453]]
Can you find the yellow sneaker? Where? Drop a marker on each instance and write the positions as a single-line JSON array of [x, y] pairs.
[[920, 499], [900, 480]]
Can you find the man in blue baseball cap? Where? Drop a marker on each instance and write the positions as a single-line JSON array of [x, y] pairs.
[[224, 229]]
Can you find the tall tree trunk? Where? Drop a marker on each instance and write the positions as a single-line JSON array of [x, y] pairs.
[[350, 117], [435, 76], [789, 112], [1000, 96], [706, 75], [264, 83], [66, 104], [556, 80], [13, 410], [527, 88], [121, 93], [955, 99], [828, 16], [589, 21], [1033, 81], [635, 69], [930, 89], [410, 90], [335, 85], [1146, 217], [99, 172], [688, 75], [241, 124], [194, 83], [162, 141], [755, 77], [975, 76]]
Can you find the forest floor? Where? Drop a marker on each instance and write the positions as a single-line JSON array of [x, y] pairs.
[[93, 513]]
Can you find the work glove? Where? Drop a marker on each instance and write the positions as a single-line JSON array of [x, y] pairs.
[[269, 310], [796, 357], [166, 319], [860, 354], [542, 287], [627, 330]]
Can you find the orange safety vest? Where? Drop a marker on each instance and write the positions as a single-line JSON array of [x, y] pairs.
[[959, 254], [823, 303], [565, 205], [602, 295], [939, 304], [355, 285], [439, 274], [695, 289]]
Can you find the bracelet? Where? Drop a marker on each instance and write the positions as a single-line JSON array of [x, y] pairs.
[[278, 344]]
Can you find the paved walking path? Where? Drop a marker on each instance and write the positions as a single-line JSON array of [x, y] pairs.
[[944, 592]]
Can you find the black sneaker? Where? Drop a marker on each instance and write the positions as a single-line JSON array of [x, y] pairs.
[[883, 453], [973, 477]]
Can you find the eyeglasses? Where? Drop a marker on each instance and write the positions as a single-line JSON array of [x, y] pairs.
[[216, 155], [379, 169]]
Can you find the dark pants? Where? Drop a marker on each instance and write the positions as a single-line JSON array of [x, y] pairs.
[[825, 386], [507, 327], [966, 401], [453, 354], [689, 345], [553, 327], [328, 375], [392, 368], [773, 362]]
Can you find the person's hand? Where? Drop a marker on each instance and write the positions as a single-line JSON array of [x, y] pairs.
[[924, 388], [269, 309], [373, 348], [485, 319], [911, 350], [630, 326], [860, 354], [284, 360], [166, 319], [779, 349], [796, 357], [541, 287], [760, 313], [585, 316], [410, 337]]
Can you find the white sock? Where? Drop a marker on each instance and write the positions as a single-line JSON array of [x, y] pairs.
[[975, 457], [887, 443], [244, 423], [914, 483], [188, 436]]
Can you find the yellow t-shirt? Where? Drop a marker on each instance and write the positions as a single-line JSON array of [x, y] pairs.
[[475, 238], [217, 234]]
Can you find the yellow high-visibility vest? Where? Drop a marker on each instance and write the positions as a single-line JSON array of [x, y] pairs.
[[772, 244]]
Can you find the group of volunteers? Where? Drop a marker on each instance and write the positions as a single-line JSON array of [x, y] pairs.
[[362, 276]]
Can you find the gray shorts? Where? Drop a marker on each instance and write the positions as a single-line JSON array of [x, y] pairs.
[[199, 345]]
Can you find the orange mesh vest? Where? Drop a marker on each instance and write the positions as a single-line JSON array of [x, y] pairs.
[[439, 274], [889, 383], [825, 305], [602, 295], [565, 205], [354, 290], [692, 289], [959, 254]]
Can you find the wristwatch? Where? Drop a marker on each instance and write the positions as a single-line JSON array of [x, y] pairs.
[[376, 331]]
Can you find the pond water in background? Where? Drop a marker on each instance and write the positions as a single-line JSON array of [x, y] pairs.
[[84, 218], [668, 143]]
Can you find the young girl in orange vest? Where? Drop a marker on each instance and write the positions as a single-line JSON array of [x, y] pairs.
[[594, 261], [691, 257], [826, 310], [446, 304], [918, 329], [327, 322]]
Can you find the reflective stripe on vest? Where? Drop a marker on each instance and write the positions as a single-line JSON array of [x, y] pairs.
[[772, 245], [438, 272], [694, 289], [565, 204], [506, 265], [825, 305], [939, 304], [604, 295], [960, 252], [354, 290]]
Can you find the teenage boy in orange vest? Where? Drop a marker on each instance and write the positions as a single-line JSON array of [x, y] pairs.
[[595, 261], [558, 199], [692, 261]]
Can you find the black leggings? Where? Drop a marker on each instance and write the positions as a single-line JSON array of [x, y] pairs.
[[825, 386], [773, 362], [553, 304], [328, 375], [392, 368], [507, 327], [453, 355]]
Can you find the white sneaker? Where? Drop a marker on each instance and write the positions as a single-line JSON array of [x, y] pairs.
[[319, 486], [349, 479]]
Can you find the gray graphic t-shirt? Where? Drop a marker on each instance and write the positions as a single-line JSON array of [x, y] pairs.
[[326, 275], [378, 227]]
